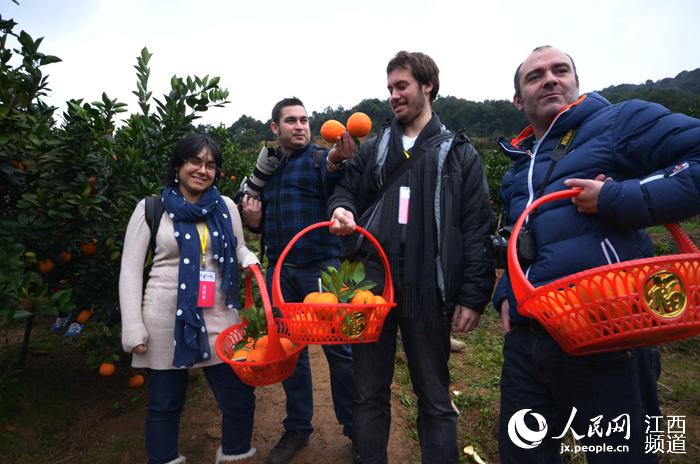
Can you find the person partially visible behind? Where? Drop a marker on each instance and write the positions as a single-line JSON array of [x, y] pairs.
[[165, 327], [637, 165], [294, 197], [436, 241]]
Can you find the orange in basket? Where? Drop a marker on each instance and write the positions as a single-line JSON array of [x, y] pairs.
[[614, 307], [271, 363], [333, 323]]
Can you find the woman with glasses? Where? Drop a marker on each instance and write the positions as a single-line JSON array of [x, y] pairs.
[[191, 295]]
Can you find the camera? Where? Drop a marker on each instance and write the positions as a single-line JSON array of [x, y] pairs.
[[527, 248]]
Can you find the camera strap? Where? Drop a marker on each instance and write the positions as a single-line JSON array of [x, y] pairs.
[[561, 149]]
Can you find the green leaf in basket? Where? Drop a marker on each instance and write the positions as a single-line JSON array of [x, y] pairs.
[[358, 273], [345, 269], [327, 282], [366, 285], [337, 282], [239, 345], [257, 323], [346, 295]]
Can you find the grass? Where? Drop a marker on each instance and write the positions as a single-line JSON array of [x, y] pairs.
[[475, 388]]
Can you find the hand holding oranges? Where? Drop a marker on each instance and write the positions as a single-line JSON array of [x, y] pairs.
[[358, 125]]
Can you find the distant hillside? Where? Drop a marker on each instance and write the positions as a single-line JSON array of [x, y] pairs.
[[680, 94], [491, 118]]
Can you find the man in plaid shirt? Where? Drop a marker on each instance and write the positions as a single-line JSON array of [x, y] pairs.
[[294, 197]]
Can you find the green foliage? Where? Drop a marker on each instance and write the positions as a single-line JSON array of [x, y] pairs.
[[248, 132], [495, 165], [236, 162], [25, 129], [257, 324], [346, 281], [67, 191], [680, 94]]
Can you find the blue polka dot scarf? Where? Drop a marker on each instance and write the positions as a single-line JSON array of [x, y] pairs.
[[191, 337]]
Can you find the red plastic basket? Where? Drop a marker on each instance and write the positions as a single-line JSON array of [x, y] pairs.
[[277, 365], [328, 323], [614, 307]]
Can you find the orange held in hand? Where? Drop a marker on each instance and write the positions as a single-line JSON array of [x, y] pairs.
[[331, 130], [359, 125]]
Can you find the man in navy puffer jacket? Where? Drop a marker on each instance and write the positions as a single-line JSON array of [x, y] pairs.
[[638, 165]]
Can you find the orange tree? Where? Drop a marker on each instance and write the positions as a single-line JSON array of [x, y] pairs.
[[25, 135], [67, 190]]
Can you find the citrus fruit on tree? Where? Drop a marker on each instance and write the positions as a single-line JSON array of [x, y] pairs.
[[45, 266], [331, 130], [88, 248], [136, 381], [83, 316], [65, 256], [359, 125], [106, 369]]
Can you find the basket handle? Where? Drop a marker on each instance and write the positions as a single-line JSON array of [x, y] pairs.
[[522, 288], [277, 298], [685, 244], [274, 347]]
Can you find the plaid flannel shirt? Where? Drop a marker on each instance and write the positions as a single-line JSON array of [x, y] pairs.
[[294, 198]]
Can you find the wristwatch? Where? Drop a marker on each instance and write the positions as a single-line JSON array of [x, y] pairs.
[[335, 166]]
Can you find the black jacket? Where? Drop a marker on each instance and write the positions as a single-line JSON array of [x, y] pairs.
[[464, 217]]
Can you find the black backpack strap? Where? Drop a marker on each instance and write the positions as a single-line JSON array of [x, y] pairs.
[[153, 214], [154, 211], [435, 140]]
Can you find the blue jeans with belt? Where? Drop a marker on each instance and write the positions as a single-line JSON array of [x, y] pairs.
[[296, 282], [539, 378], [166, 400]]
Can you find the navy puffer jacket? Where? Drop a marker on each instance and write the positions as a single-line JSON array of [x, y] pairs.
[[653, 157]]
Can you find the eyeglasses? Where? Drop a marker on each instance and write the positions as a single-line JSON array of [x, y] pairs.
[[197, 163]]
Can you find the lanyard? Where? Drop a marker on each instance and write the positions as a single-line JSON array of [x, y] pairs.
[[203, 237]]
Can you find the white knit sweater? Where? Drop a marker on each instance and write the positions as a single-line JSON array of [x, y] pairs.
[[150, 319]]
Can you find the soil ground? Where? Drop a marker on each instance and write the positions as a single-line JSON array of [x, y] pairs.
[[67, 414]]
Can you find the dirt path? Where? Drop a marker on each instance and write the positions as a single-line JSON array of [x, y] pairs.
[[86, 419], [327, 444]]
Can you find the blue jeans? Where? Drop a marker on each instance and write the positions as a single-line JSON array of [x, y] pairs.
[[166, 400], [538, 375], [296, 283], [427, 348]]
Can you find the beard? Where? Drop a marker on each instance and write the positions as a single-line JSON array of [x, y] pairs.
[[414, 108]]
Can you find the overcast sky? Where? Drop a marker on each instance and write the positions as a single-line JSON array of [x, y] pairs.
[[332, 53]]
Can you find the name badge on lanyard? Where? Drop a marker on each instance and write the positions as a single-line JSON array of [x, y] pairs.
[[207, 279], [207, 289], [404, 202]]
